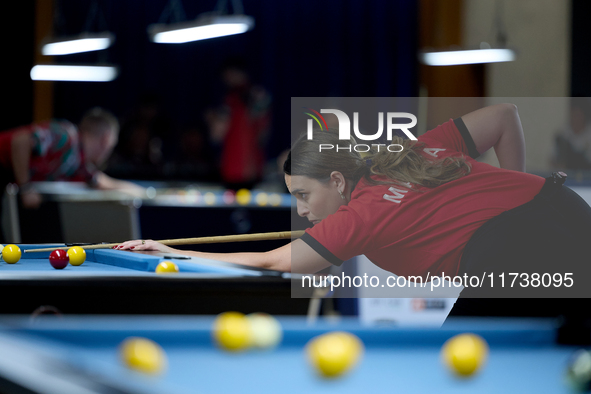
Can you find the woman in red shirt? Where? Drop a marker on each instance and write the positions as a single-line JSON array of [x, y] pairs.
[[418, 212]]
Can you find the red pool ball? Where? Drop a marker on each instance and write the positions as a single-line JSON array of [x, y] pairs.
[[59, 259]]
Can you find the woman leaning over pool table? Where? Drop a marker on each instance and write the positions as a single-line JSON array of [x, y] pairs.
[[415, 212]]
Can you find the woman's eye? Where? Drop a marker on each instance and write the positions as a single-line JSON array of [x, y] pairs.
[[304, 196]]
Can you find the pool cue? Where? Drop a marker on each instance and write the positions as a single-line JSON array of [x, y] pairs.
[[197, 241]]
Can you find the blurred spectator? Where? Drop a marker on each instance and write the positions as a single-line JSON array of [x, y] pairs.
[[573, 144], [57, 150], [240, 127], [145, 133]]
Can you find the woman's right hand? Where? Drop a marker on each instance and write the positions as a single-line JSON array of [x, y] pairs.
[[144, 245]]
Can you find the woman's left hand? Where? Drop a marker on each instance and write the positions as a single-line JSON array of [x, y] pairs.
[[144, 244]]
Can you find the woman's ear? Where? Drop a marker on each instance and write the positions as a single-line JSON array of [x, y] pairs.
[[338, 180]]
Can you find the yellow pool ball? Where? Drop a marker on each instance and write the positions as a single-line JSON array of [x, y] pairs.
[[231, 331], [262, 199], [275, 199], [209, 198], [143, 355], [11, 254], [76, 255], [167, 267], [334, 354], [243, 196], [464, 354], [266, 331]]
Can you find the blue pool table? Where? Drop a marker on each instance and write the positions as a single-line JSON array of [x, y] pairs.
[[114, 282], [79, 354]]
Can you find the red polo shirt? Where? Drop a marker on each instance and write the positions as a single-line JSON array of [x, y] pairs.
[[418, 232], [56, 154]]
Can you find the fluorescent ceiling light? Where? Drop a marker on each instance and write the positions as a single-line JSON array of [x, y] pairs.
[[201, 29], [73, 73], [453, 58], [78, 44]]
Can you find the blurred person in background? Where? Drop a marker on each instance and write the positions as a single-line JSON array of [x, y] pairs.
[[572, 148], [240, 127], [57, 150]]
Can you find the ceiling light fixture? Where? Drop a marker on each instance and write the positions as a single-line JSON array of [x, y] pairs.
[[52, 72], [474, 56], [209, 25], [85, 42], [484, 54]]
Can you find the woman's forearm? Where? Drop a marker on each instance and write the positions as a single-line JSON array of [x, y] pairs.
[[253, 259], [277, 259]]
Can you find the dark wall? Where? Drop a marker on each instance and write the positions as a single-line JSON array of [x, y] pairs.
[[17, 59]]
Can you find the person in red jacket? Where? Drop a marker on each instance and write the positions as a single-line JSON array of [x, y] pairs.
[[240, 127]]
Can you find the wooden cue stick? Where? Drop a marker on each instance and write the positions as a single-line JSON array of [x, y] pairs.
[[196, 241]]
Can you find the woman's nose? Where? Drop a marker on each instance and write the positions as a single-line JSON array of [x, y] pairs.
[[302, 210]]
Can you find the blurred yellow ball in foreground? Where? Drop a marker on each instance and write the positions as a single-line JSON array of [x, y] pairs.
[[266, 331], [143, 355], [464, 354], [335, 353], [232, 331]]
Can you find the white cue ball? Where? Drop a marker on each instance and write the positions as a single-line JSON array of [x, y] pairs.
[[1, 249], [266, 332]]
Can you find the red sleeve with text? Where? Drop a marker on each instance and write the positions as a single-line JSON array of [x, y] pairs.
[[452, 135]]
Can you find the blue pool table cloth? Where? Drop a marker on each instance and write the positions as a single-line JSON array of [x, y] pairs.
[[116, 262], [523, 356]]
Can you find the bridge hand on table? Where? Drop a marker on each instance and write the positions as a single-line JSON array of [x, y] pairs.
[[144, 244]]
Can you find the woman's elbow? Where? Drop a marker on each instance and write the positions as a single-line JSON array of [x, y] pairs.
[[510, 110], [510, 106], [509, 121]]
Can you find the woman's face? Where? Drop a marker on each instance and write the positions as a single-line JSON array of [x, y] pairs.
[[315, 200]]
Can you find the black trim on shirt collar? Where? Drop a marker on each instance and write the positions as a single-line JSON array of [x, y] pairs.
[[321, 250], [467, 138]]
